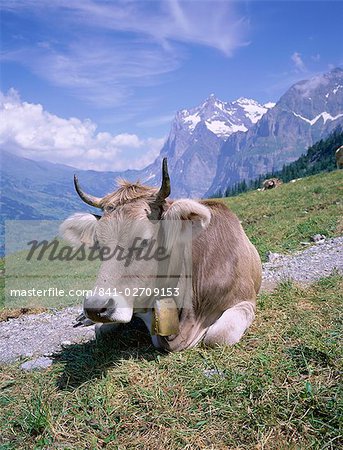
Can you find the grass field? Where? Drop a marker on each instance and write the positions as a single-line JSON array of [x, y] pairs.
[[279, 388]]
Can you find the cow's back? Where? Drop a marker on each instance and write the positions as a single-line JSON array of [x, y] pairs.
[[224, 260], [226, 270]]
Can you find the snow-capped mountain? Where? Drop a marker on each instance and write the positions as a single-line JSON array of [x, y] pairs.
[[194, 141], [223, 118], [306, 113]]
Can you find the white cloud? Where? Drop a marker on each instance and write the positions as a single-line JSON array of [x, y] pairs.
[[312, 83], [102, 51], [100, 72], [30, 131], [215, 23], [298, 62]]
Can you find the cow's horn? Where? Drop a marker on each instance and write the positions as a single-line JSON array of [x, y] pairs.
[[89, 199], [164, 191]]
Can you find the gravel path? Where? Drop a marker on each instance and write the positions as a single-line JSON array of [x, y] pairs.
[[41, 334], [34, 338], [305, 266]]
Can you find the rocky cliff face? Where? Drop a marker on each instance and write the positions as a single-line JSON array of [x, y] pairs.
[[195, 139], [307, 112]]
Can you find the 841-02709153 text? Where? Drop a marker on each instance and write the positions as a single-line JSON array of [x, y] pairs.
[[127, 292], [137, 292]]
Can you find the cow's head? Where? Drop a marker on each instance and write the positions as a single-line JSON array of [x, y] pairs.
[[131, 220]]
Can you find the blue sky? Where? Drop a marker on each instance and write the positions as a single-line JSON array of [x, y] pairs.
[[121, 69]]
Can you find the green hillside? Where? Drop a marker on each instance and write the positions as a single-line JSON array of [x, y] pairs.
[[318, 158], [278, 220]]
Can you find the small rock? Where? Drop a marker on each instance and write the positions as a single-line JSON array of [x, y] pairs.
[[318, 238], [212, 372], [66, 343], [36, 364], [271, 257]]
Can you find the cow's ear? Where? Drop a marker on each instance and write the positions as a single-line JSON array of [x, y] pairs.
[[191, 210], [79, 229]]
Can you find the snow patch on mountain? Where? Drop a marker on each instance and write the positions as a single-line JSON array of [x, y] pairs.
[[223, 118], [335, 90], [253, 110], [324, 115], [221, 129], [269, 105], [191, 120]]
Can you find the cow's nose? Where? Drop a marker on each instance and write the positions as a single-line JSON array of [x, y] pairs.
[[108, 310], [98, 309]]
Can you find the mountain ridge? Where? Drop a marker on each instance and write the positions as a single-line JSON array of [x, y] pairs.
[[308, 111], [194, 141]]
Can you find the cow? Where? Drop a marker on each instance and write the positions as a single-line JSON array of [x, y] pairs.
[[226, 268], [271, 183], [339, 157]]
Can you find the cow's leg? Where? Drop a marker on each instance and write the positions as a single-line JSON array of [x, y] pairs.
[[231, 325]]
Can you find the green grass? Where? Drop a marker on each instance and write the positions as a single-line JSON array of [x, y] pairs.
[[62, 275], [278, 388], [280, 219]]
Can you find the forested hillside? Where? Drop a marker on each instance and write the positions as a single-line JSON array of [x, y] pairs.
[[320, 157]]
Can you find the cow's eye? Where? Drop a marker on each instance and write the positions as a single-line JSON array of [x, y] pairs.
[[110, 209]]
